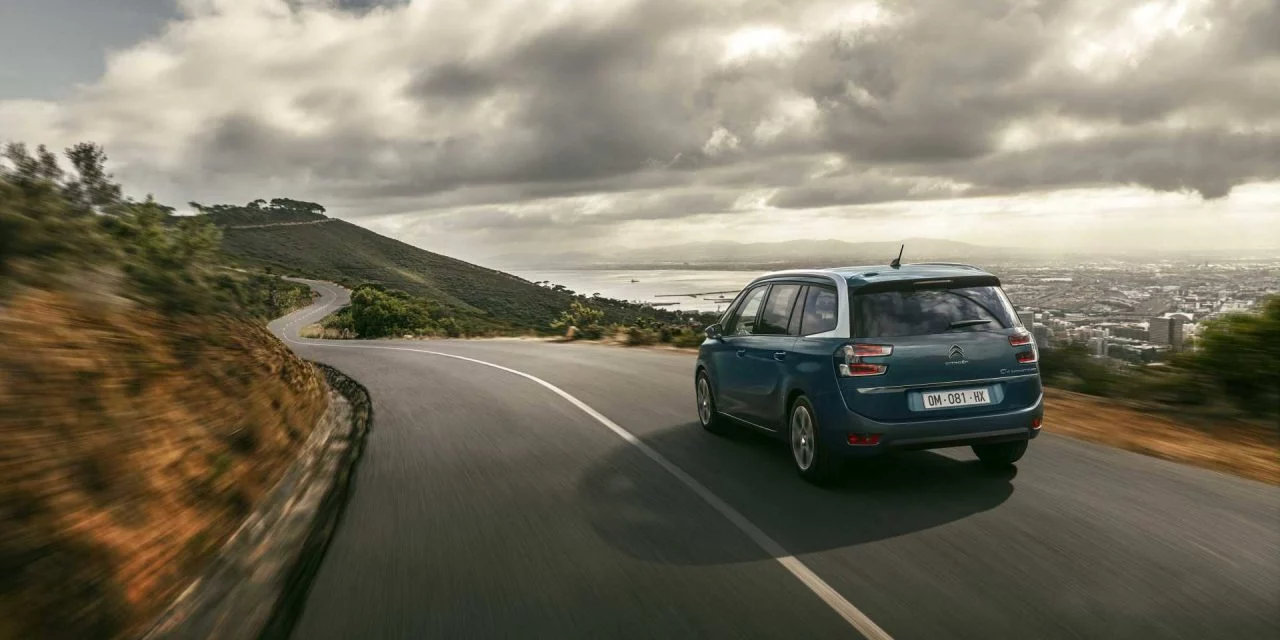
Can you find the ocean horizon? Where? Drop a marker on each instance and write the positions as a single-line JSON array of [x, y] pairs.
[[675, 289]]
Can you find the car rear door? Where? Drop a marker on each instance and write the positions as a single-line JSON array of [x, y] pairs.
[[953, 352], [764, 357]]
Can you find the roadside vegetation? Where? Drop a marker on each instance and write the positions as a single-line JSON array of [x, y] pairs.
[[1232, 371], [377, 311], [1216, 405], [144, 407]]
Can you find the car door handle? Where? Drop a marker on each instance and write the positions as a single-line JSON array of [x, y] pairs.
[[779, 355], [742, 353]]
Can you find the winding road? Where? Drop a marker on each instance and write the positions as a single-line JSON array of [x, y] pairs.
[[525, 489]]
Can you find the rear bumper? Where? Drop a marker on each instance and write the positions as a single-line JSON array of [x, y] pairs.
[[934, 433]]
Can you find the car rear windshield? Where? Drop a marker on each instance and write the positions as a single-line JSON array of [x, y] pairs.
[[888, 314]]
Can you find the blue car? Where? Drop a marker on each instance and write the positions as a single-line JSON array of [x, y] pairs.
[[861, 361]]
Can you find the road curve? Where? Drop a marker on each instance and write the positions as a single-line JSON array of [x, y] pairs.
[[486, 505]]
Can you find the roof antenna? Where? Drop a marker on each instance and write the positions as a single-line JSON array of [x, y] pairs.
[[897, 262]]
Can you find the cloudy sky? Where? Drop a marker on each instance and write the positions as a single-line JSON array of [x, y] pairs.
[[482, 128]]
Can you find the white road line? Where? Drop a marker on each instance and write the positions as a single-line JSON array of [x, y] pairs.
[[818, 586]]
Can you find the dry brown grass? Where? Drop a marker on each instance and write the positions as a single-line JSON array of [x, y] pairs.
[[133, 446], [1223, 444]]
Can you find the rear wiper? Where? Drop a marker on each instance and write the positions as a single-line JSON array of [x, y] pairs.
[[968, 323]]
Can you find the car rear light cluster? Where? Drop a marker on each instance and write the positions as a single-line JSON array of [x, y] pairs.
[[853, 365], [1024, 339], [1035, 423], [864, 439]]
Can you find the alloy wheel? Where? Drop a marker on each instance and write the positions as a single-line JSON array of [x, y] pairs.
[[704, 400], [802, 437]]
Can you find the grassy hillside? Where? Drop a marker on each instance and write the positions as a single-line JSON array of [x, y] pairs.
[[144, 406], [135, 443], [484, 300]]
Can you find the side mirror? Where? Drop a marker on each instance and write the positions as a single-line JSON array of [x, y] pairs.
[[714, 332]]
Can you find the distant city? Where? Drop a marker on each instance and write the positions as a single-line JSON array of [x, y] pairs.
[[1136, 313]]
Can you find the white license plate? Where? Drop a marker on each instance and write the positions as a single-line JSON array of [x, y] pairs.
[[956, 398]]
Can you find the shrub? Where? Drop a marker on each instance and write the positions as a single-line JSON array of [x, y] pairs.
[[377, 313], [54, 222], [263, 296], [687, 337], [37, 221], [452, 327], [586, 321], [638, 336], [1071, 367], [1239, 356], [170, 261]]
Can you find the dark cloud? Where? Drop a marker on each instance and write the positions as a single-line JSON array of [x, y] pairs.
[[387, 106], [936, 87], [453, 81], [613, 209], [360, 6], [1209, 162], [863, 189]]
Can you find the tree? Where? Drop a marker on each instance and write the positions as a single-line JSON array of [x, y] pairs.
[[36, 222], [53, 221], [92, 191], [1240, 354], [296, 206]]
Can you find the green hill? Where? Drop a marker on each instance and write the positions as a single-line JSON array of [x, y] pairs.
[[298, 239]]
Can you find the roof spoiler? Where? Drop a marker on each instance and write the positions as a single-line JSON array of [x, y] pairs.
[[954, 282]]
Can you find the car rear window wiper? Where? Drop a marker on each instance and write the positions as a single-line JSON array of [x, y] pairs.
[[968, 323]]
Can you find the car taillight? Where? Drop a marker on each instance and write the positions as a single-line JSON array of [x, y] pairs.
[[1023, 339], [853, 366], [1020, 339], [872, 350], [862, 369]]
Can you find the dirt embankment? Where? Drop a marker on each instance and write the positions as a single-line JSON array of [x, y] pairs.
[[1224, 444], [133, 445]]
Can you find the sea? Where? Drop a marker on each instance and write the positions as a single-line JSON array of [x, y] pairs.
[[675, 289]]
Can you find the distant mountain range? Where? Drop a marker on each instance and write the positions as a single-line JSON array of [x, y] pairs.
[[816, 253]]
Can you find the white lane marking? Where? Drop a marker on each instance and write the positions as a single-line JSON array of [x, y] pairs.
[[818, 586]]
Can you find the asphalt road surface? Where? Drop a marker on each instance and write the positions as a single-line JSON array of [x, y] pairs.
[[487, 504]]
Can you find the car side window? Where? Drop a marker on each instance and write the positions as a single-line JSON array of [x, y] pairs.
[[820, 308], [744, 321], [777, 310], [732, 312], [793, 327]]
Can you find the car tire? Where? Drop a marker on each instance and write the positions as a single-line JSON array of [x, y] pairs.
[[1001, 455], [814, 462], [711, 420]]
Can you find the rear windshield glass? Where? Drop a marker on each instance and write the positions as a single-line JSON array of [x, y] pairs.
[[929, 311]]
